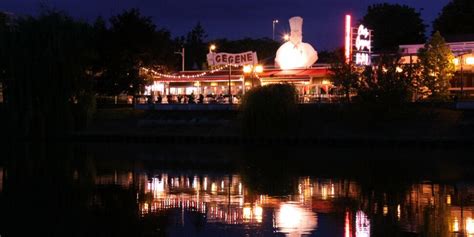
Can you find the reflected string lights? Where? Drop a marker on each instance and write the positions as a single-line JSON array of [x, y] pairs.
[[226, 200]]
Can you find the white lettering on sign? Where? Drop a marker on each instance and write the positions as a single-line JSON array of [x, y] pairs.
[[363, 41], [216, 59], [363, 46], [362, 59]]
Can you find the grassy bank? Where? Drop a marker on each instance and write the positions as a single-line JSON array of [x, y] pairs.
[[311, 121]]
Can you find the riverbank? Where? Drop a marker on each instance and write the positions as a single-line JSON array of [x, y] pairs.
[[331, 125]]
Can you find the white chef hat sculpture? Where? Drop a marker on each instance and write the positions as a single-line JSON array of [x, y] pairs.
[[295, 53]]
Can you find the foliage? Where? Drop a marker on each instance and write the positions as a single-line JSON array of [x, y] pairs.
[[344, 75], [393, 25], [269, 110], [386, 84], [131, 43], [456, 18], [196, 49], [437, 67], [47, 74]]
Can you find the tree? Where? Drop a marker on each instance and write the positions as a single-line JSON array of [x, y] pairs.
[[393, 25], [3, 31], [196, 49], [456, 18], [131, 42], [344, 75], [269, 110], [386, 83], [437, 67], [47, 83]]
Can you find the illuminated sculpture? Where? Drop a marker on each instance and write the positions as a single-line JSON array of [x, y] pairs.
[[295, 53]]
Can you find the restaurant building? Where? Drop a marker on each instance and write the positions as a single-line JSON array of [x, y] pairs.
[[463, 50], [234, 74], [311, 83]]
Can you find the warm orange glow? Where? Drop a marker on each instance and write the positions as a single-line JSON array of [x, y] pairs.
[[455, 225], [470, 61], [348, 37], [259, 69], [246, 213], [470, 226], [347, 226], [286, 37], [456, 61], [258, 213], [448, 199], [385, 210], [294, 220], [247, 69], [212, 47]]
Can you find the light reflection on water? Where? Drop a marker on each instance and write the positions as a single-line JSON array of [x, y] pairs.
[[128, 197], [226, 200]]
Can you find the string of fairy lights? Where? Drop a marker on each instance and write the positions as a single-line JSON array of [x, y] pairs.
[[182, 76]]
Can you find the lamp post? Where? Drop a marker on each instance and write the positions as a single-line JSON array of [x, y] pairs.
[[273, 23], [182, 58], [252, 71], [212, 48]]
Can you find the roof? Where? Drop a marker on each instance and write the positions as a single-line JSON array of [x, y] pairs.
[[305, 72], [237, 74]]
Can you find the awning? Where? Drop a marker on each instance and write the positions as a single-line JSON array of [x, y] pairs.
[[310, 72]]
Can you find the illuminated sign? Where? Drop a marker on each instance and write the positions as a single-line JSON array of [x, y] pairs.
[[362, 46], [216, 59], [347, 39]]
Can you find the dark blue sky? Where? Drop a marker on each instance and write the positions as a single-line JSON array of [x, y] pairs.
[[323, 19]]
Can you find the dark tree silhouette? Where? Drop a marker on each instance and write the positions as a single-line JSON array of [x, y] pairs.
[[131, 43], [393, 25], [196, 48], [456, 18], [344, 75], [47, 74]]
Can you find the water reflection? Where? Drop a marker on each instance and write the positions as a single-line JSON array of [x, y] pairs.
[[294, 219], [425, 208], [1, 179], [99, 197]]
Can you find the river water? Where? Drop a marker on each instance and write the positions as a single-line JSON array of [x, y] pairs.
[[152, 190]]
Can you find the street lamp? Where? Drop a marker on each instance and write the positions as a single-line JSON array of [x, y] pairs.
[[182, 58], [273, 23], [286, 37], [252, 71], [212, 47]]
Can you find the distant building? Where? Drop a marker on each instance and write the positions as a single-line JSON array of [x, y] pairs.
[[462, 47]]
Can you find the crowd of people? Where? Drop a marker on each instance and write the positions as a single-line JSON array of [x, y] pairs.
[[191, 99]]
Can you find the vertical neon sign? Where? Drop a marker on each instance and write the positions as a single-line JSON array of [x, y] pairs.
[[348, 39]]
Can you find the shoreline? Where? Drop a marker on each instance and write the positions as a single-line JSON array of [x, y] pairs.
[[334, 141]]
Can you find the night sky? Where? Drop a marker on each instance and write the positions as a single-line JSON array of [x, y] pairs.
[[234, 19]]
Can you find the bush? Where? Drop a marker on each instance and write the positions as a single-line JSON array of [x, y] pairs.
[[269, 110]]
